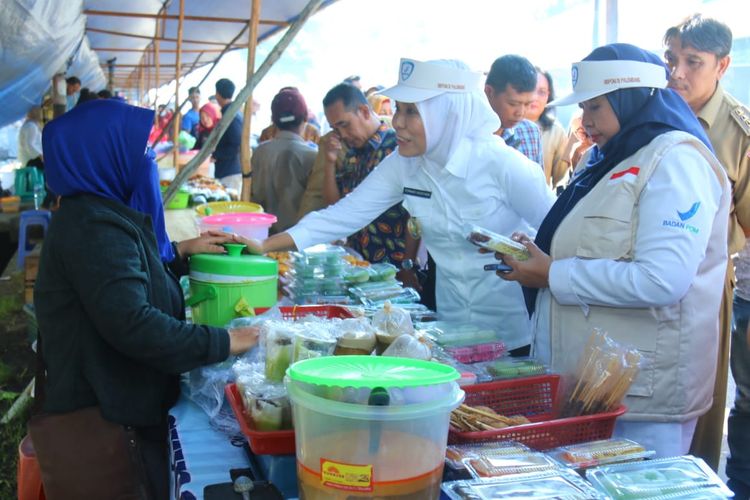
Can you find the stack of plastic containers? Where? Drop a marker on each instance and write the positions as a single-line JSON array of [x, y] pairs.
[[316, 276]]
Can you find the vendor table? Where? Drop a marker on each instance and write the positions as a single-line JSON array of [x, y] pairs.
[[200, 456]]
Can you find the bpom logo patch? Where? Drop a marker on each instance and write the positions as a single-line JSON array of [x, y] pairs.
[[574, 75], [407, 68]]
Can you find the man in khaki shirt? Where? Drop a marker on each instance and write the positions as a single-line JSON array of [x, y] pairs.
[[697, 53]]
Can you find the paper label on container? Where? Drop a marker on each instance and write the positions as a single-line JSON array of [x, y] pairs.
[[348, 477]]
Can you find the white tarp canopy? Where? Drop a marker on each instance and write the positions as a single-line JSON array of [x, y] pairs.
[[39, 38]]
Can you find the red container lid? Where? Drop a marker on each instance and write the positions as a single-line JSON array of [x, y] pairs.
[[246, 219]]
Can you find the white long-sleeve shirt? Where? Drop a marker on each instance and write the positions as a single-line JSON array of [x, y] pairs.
[[29, 142], [491, 185]]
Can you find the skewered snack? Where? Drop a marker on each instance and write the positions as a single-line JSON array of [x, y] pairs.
[[467, 418]]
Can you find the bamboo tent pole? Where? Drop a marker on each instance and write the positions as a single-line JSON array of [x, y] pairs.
[[210, 70], [176, 118], [226, 119], [164, 16], [245, 151], [157, 70], [161, 38]]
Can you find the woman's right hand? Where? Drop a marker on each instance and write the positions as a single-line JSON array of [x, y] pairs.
[[243, 339], [253, 245]]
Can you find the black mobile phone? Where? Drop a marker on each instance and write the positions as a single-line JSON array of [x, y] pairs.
[[503, 268]]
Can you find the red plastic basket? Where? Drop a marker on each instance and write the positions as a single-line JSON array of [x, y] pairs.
[[535, 398], [276, 442]]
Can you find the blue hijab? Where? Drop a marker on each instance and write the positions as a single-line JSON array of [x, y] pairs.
[[99, 148], [643, 114]]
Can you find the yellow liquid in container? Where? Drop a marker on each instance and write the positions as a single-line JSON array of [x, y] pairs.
[[404, 467]]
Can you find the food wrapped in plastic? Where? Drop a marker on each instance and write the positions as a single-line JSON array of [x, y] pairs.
[[678, 477], [313, 341], [498, 243], [354, 275], [460, 334], [408, 346], [477, 353], [382, 272], [356, 336], [267, 406], [390, 323], [515, 367], [279, 339], [548, 485], [456, 453], [493, 464], [602, 452]]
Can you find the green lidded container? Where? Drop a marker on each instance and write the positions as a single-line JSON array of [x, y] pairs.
[[231, 285]]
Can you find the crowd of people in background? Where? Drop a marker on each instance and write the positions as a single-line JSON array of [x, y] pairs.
[[297, 170]]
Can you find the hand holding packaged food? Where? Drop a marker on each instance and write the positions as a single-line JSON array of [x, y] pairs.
[[497, 243]]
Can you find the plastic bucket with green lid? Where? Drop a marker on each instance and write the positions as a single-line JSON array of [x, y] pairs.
[[371, 426], [231, 285]]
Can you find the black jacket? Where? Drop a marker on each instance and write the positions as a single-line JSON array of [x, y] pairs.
[[108, 310], [227, 152]]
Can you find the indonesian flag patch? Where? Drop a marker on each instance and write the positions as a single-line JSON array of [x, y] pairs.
[[627, 175]]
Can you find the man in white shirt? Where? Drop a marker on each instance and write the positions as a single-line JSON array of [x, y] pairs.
[[30, 137]]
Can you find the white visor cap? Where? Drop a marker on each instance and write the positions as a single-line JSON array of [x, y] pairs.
[[594, 78], [419, 81]]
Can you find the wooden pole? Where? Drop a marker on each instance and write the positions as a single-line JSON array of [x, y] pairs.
[[146, 37], [140, 83], [157, 69], [234, 108], [163, 51], [205, 77], [245, 151], [164, 16], [178, 109]]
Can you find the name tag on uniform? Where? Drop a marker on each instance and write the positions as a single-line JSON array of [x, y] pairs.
[[417, 192]]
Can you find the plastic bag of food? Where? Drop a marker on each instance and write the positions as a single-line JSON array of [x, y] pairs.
[[355, 336], [267, 406], [313, 341], [408, 346], [390, 323], [382, 272], [279, 339]]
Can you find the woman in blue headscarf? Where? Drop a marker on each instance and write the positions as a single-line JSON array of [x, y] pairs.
[[635, 246], [109, 307]]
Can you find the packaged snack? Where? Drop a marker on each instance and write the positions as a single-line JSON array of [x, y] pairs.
[[487, 239], [489, 464], [456, 453], [279, 337], [390, 323], [382, 272], [515, 367], [605, 451], [356, 336], [477, 353], [312, 343], [408, 346], [268, 406], [547, 485], [679, 477], [355, 275], [458, 334]]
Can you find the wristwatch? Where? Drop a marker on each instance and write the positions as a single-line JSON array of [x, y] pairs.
[[407, 264]]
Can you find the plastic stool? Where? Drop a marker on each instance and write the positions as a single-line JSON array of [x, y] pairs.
[[29, 476], [28, 219]]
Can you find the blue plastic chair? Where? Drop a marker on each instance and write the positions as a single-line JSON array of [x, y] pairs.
[[30, 218]]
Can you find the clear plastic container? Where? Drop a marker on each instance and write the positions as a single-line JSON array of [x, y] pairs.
[[489, 463], [515, 367], [605, 451], [456, 334], [487, 239], [680, 477], [456, 453], [477, 353], [558, 484], [249, 225]]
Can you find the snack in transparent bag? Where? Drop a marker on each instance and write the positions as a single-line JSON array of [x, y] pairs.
[[279, 339], [677, 477], [492, 464], [456, 453], [555, 484], [313, 341], [389, 324], [498, 243], [382, 272], [267, 405], [605, 451], [509, 367], [355, 336], [408, 346]]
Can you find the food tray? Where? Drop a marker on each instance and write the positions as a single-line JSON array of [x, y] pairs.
[[558, 484], [261, 442], [535, 398]]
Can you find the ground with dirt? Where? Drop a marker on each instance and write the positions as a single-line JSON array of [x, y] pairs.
[[17, 363]]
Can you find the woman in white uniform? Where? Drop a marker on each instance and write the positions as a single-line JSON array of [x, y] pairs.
[[636, 246], [449, 170]]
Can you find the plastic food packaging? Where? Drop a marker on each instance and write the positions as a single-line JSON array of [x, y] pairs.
[[408, 346], [490, 464], [382, 272], [515, 367], [679, 477], [268, 407], [605, 451], [390, 323], [356, 336], [557, 484], [312, 343], [477, 353], [455, 454], [279, 338], [487, 239], [605, 372], [457, 334]]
